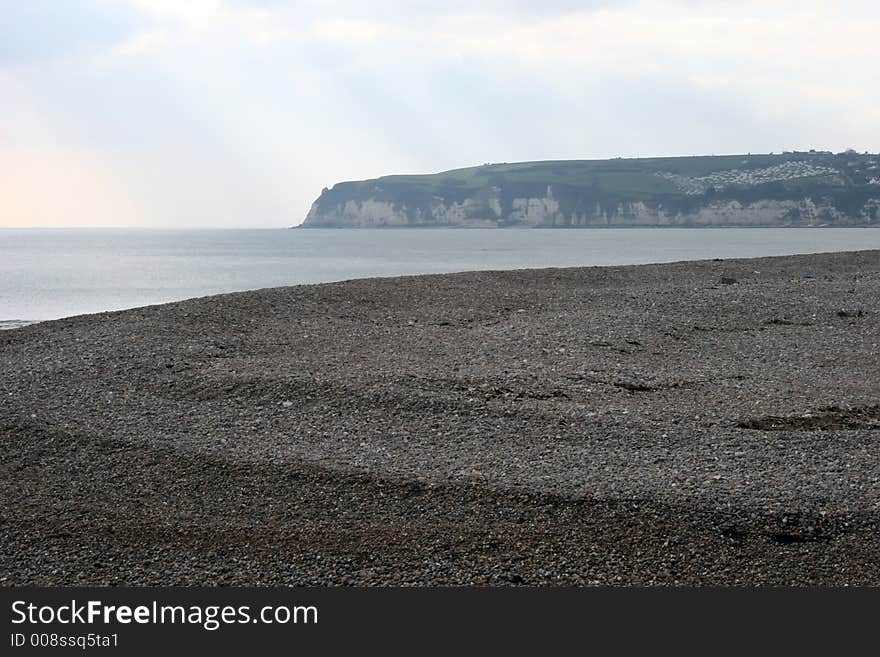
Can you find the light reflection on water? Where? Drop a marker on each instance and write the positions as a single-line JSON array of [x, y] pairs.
[[46, 274]]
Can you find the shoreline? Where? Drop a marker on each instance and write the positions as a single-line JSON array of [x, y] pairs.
[[639, 424], [615, 227], [10, 324]]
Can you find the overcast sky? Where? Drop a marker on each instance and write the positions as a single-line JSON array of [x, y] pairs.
[[237, 112]]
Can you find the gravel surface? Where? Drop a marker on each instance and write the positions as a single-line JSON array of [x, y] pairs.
[[625, 425]]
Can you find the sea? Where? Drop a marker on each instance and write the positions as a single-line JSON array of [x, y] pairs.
[[52, 273]]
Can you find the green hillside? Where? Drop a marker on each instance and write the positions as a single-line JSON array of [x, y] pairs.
[[846, 181]]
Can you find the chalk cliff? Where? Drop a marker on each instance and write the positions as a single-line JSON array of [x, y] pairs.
[[792, 189]]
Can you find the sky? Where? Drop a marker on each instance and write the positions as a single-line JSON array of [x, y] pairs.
[[236, 113]]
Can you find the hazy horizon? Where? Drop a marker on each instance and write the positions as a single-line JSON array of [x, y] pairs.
[[236, 113]]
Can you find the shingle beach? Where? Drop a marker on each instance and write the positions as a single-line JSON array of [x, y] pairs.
[[696, 423]]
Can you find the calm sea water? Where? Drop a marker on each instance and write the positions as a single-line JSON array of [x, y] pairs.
[[47, 274]]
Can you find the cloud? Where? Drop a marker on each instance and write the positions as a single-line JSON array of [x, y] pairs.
[[237, 112], [778, 50], [268, 22], [39, 30]]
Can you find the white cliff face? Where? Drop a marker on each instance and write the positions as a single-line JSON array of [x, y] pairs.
[[537, 211], [354, 214], [381, 214], [485, 211], [761, 213], [871, 211]]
